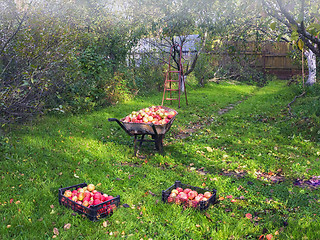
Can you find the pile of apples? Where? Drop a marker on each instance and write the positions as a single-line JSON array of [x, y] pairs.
[[187, 196], [155, 114], [87, 196]]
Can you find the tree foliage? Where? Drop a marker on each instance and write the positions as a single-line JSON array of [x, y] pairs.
[[60, 55]]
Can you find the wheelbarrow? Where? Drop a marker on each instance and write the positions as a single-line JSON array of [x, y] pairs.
[[156, 131]]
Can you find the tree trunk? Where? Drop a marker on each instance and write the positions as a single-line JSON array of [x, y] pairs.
[[312, 65]]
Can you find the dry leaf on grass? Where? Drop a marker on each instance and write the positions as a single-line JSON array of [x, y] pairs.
[[56, 231], [67, 226]]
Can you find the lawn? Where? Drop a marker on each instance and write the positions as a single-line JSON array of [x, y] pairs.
[[234, 138]]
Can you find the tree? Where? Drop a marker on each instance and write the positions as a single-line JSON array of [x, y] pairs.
[[301, 20], [170, 23]]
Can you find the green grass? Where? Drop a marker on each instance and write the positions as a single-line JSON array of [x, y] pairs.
[[234, 153]]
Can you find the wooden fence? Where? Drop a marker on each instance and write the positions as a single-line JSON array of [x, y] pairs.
[[269, 57]]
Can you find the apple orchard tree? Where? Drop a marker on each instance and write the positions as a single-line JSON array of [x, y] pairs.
[[301, 19]]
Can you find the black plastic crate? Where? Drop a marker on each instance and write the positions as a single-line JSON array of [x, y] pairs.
[[202, 205], [94, 213]]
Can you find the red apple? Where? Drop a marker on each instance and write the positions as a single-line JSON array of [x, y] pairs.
[[74, 198], [85, 203], [80, 196], [179, 189], [192, 195], [204, 199], [207, 195], [87, 194], [86, 199], [109, 198], [177, 200], [97, 195], [175, 191], [170, 199], [198, 198], [67, 193], [183, 196], [105, 197], [80, 190], [173, 195], [96, 202], [194, 203], [187, 190], [91, 187]]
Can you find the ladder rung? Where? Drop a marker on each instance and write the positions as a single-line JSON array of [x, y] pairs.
[[172, 99], [174, 71], [172, 89]]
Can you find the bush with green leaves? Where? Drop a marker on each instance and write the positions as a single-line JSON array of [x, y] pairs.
[[66, 57]]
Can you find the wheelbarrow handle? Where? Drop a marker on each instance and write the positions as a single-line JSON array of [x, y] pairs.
[[120, 123]]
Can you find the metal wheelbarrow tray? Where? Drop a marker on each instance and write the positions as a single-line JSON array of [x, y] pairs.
[[156, 131]]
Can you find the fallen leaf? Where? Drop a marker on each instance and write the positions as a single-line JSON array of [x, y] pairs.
[[54, 236], [261, 237], [105, 224], [209, 149], [67, 226], [229, 196], [197, 225], [151, 193], [249, 215], [8, 226], [99, 184], [208, 216], [56, 231], [221, 198], [233, 200], [17, 202], [76, 176]]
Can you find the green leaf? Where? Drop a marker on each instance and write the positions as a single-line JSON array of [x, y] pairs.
[[273, 26], [294, 36], [300, 44]]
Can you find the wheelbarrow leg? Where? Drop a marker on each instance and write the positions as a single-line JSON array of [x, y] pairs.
[[136, 149], [135, 145], [159, 143]]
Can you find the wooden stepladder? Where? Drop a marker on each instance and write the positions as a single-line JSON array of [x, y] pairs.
[[174, 81]]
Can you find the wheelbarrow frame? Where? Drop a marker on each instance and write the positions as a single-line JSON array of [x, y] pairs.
[[157, 132]]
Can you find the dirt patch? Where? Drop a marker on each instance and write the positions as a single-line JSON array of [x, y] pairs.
[[197, 126]]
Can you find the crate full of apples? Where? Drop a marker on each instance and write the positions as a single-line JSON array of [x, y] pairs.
[[189, 196], [85, 199]]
